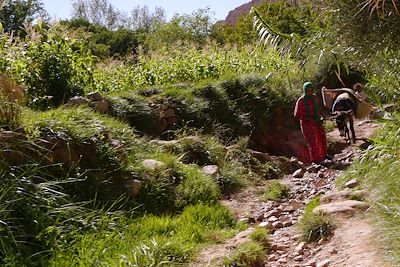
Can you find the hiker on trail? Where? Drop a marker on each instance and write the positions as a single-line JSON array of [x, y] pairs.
[[309, 110]]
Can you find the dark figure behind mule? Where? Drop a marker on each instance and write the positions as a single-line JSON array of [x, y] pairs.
[[344, 108]]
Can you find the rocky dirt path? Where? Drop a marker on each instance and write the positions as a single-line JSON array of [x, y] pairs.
[[352, 244]]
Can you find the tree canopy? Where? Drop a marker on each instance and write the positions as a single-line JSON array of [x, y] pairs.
[[15, 13]]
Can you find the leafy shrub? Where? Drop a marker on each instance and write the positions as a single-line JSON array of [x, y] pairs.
[[267, 170], [54, 67], [232, 176], [275, 190]]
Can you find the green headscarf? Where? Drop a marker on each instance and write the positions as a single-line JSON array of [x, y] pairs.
[[316, 116]]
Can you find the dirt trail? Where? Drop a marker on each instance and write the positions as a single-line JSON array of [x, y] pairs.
[[352, 244]]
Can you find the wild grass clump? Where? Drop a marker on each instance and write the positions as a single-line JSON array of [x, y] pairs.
[[51, 219], [275, 190], [250, 254], [149, 240], [314, 227], [196, 188], [261, 236]]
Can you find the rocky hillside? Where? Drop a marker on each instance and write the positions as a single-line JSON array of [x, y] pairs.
[[234, 14]]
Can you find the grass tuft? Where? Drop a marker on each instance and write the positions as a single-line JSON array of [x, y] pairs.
[[250, 254], [260, 235], [275, 190], [314, 227]]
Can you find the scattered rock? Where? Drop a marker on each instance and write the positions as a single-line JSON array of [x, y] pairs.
[[191, 140], [299, 173], [261, 156], [135, 188], [324, 263], [298, 258], [210, 170], [313, 168], [267, 225], [277, 224], [272, 257], [343, 195], [101, 106], [94, 96], [77, 101], [272, 219], [312, 263], [352, 183], [347, 207], [300, 248], [152, 164], [116, 143], [260, 217], [165, 143]]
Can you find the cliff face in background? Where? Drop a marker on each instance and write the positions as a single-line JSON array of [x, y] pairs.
[[234, 14]]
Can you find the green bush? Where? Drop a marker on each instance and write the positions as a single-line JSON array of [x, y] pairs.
[[29, 232], [54, 68]]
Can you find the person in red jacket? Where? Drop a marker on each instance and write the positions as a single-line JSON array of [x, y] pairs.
[[309, 111]]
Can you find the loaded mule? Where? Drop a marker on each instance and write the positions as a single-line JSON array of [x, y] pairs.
[[343, 109]]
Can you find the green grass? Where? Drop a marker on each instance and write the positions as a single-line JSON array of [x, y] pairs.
[[190, 65], [377, 171], [80, 122], [260, 235], [275, 190], [314, 227], [197, 188], [150, 240], [250, 254]]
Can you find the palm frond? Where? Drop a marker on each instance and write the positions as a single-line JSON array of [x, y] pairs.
[[271, 37]]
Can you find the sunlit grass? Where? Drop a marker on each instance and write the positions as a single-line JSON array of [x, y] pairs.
[[314, 227], [150, 240], [378, 172]]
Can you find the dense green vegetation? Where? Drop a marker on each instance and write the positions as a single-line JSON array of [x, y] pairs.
[[75, 189]]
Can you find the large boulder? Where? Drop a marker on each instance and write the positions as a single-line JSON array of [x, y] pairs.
[[346, 207]]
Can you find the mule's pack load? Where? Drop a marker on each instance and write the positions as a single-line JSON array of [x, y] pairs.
[[329, 96]]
